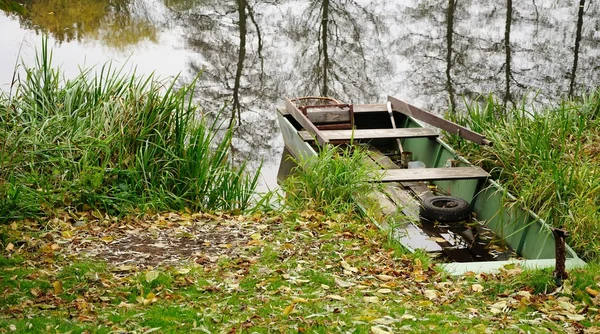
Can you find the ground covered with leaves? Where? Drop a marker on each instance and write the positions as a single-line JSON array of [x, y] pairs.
[[211, 273]]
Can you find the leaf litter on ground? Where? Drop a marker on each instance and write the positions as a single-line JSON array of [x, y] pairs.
[[228, 273]]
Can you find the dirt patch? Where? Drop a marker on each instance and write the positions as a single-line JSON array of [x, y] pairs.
[[166, 239]]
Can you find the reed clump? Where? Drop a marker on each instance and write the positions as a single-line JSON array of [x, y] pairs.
[[329, 181], [113, 142], [549, 158]]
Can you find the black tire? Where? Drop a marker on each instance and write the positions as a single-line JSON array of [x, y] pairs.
[[445, 209]]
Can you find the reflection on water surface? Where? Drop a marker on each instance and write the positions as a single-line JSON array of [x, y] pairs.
[[253, 53]]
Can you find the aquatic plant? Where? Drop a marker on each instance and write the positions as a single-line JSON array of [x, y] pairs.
[[113, 142]]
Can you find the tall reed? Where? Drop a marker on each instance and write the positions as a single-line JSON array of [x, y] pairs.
[[114, 142], [550, 158], [329, 181]]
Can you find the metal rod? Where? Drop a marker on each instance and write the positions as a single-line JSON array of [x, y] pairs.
[[391, 113]]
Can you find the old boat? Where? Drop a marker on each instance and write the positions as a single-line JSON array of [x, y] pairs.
[[497, 231]]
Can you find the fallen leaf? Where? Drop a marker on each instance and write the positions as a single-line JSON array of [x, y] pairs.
[[343, 284], [591, 291], [384, 278], [289, 309], [430, 294], [35, 292], [384, 291], [575, 317], [477, 288], [524, 294], [151, 275], [566, 306], [183, 271], [335, 297], [386, 320], [379, 330], [57, 287], [125, 305], [348, 267], [371, 299], [10, 247]]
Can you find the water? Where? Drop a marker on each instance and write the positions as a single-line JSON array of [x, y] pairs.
[[253, 53]]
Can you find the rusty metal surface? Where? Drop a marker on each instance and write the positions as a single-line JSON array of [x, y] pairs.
[[560, 274]]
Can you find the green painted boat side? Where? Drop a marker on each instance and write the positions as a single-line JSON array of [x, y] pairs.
[[521, 228]]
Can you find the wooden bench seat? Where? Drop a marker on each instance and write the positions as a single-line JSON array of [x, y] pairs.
[[365, 134], [433, 174]]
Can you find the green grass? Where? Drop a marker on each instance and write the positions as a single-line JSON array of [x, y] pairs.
[[115, 142], [549, 158], [329, 181]]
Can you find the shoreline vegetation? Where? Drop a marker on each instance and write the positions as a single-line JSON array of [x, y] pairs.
[[549, 158], [120, 144], [119, 212]]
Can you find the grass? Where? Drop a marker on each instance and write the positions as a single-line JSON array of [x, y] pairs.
[[329, 181], [317, 274], [549, 158], [113, 142]]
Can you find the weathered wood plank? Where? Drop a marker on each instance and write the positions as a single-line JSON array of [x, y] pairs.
[[433, 174], [329, 115], [373, 134], [437, 121], [305, 122], [360, 108]]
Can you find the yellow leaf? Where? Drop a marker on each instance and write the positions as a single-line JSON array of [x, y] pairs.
[[107, 239], [589, 290], [299, 300], [151, 276], [10, 247], [255, 236], [384, 291], [289, 309], [57, 287]]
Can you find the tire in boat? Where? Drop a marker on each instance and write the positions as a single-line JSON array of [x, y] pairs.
[[445, 209]]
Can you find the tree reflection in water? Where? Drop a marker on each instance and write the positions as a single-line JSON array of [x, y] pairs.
[[117, 23], [252, 53]]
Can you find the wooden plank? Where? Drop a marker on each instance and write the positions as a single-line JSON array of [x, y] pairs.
[[359, 108], [433, 174], [373, 134], [437, 121], [329, 115], [305, 122], [366, 108]]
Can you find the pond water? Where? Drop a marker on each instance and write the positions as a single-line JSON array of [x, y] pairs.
[[253, 53]]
